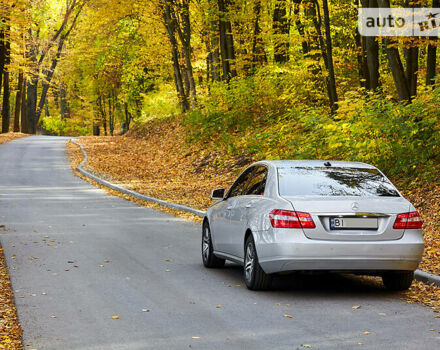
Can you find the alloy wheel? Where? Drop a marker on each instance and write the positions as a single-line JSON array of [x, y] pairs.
[[206, 243], [249, 262]]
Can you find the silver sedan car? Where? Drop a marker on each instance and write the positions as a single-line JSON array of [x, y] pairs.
[[287, 216]]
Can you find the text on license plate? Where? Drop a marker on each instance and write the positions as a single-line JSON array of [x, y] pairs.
[[353, 223]]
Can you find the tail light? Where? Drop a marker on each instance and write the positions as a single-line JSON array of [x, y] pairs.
[[290, 219], [410, 220]]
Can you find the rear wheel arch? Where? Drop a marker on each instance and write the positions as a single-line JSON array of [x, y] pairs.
[[246, 235]]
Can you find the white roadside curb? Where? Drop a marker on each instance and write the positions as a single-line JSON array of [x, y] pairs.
[[419, 274]]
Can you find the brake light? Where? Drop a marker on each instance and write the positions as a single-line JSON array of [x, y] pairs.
[[410, 220], [290, 219]]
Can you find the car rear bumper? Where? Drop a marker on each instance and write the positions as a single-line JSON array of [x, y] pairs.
[[292, 251]]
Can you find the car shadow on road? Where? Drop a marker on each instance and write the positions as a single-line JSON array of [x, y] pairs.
[[318, 284]]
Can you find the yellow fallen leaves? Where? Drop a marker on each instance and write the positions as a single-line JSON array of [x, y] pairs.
[[10, 331], [117, 317], [288, 316], [356, 307], [218, 306], [195, 337], [175, 171], [9, 137], [366, 332]]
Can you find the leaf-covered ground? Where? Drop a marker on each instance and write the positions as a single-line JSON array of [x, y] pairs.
[[10, 331], [10, 136], [156, 161]]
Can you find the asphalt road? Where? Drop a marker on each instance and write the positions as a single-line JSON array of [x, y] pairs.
[[78, 256]]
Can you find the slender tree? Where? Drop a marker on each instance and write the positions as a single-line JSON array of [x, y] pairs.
[[281, 30], [6, 93], [227, 48], [18, 102], [431, 54], [329, 52]]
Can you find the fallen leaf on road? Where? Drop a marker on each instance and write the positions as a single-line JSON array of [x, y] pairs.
[[167, 270], [288, 316], [382, 314], [101, 265], [366, 332], [432, 330], [167, 260], [145, 310], [306, 345], [356, 307], [106, 261], [218, 306], [116, 317], [53, 316], [195, 337]]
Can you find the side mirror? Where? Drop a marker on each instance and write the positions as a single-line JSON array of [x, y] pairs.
[[218, 193]]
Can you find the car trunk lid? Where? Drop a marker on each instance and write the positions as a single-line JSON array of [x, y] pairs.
[[352, 218]]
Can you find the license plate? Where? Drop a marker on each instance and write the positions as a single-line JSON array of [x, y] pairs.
[[353, 223]]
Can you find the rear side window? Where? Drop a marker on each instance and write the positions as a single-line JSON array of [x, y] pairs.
[[240, 184], [334, 181], [257, 183]]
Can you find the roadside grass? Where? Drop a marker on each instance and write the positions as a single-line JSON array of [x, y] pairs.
[[10, 330]]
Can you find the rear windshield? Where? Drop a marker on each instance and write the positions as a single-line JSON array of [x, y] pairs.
[[334, 181]]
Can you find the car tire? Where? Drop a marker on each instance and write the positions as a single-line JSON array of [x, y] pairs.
[[398, 280], [254, 276], [208, 257]]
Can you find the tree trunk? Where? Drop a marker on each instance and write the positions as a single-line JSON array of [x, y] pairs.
[[64, 107], [372, 54], [329, 51], [2, 54], [300, 27], [24, 121], [412, 66], [395, 63], [18, 102], [184, 33], [258, 53], [412, 59], [31, 105], [48, 78], [226, 41], [6, 105], [6, 110], [170, 26], [431, 55], [110, 115], [280, 28], [361, 44]]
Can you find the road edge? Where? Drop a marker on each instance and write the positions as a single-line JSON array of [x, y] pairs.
[[418, 274]]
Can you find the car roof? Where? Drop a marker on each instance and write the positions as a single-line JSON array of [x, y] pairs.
[[314, 163]]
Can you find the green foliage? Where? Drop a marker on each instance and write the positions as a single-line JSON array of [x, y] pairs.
[[281, 117], [65, 127]]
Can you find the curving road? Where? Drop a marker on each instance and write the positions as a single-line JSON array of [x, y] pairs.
[[78, 256]]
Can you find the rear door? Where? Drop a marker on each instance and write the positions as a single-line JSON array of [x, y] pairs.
[[246, 203], [222, 224], [345, 203]]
